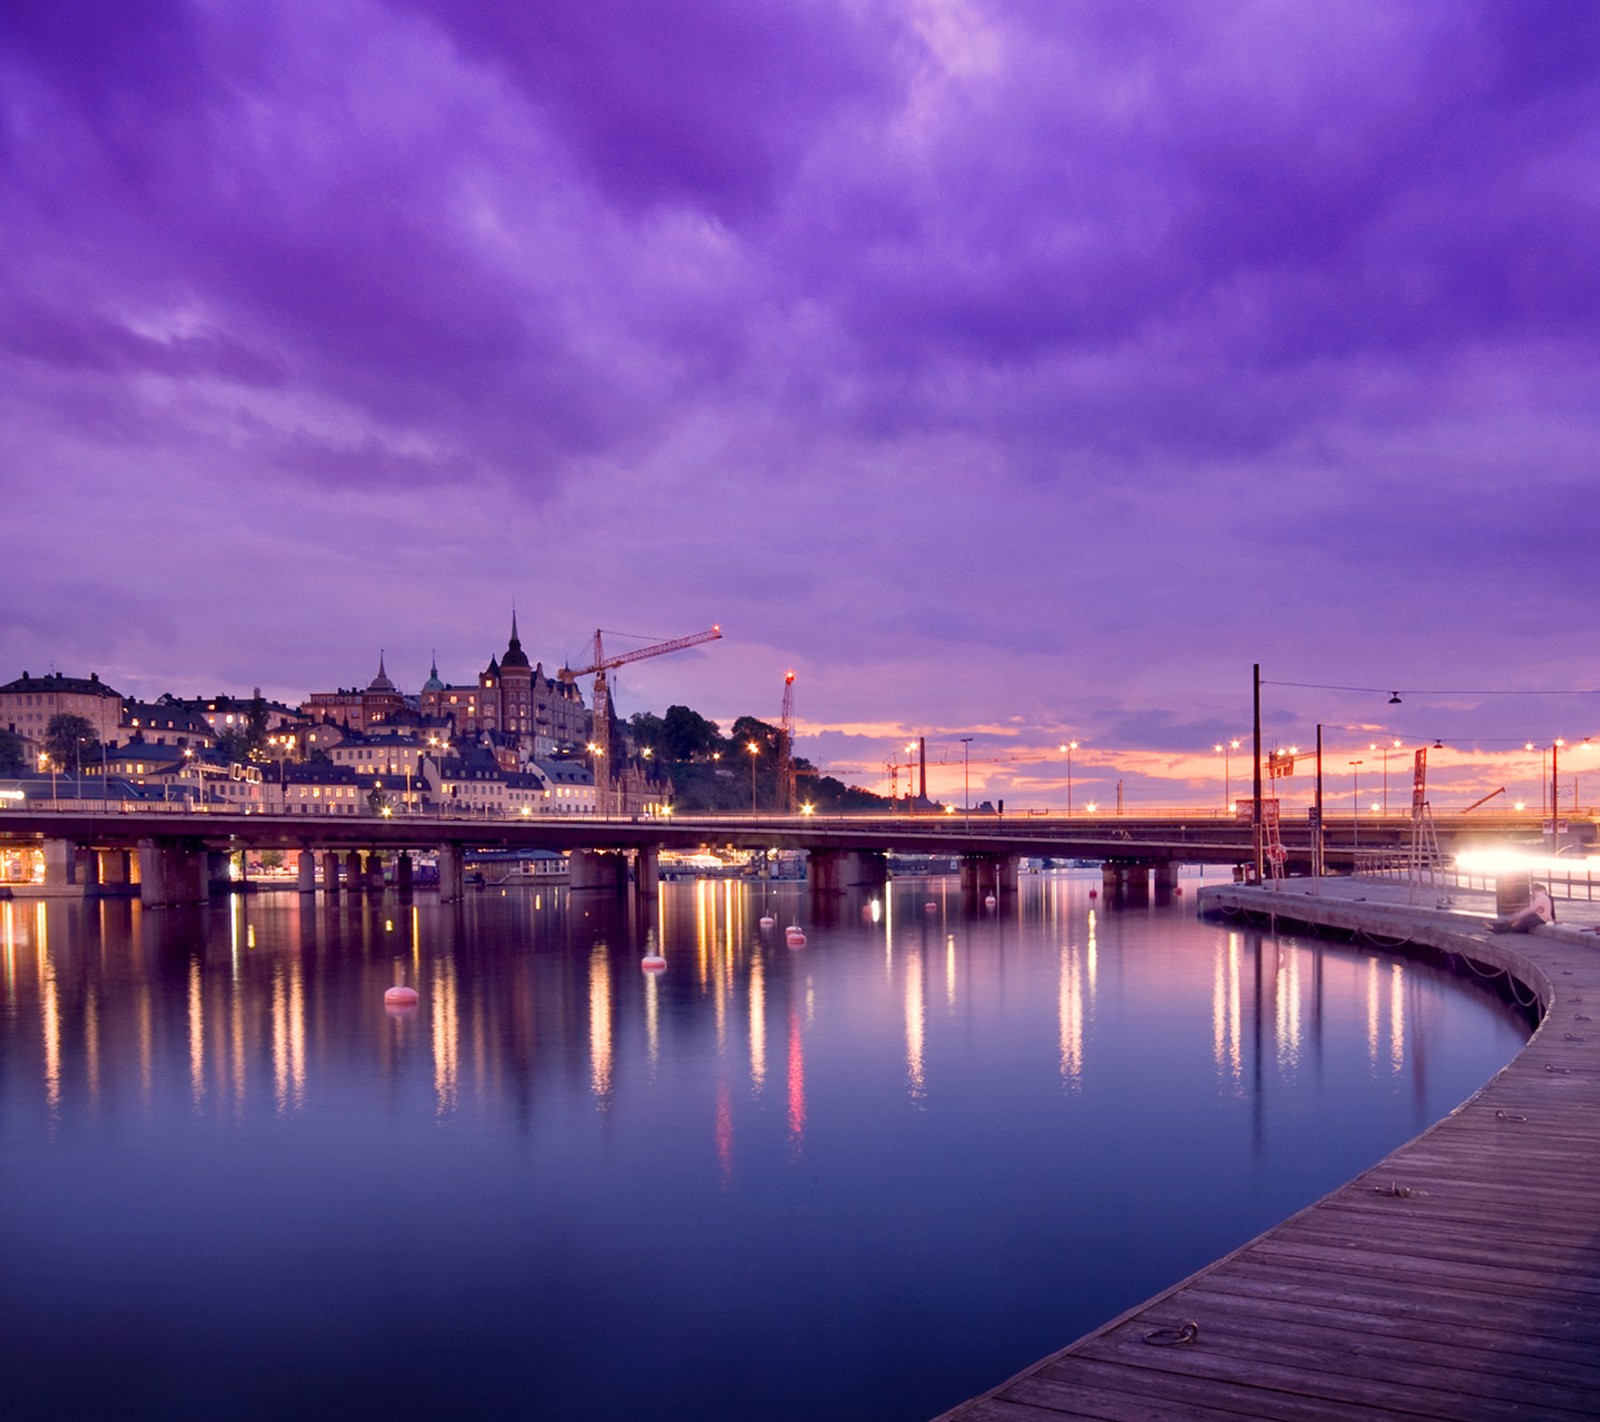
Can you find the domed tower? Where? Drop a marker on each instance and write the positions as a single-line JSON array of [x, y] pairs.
[[516, 687], [381, 699]]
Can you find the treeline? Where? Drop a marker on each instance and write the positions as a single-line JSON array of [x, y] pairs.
[[713, 771]]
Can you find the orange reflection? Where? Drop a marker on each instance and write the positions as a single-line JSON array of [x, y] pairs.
[[444, 1007], [600, 1022], [758, 1024], [197, 1033], [50, 1015]]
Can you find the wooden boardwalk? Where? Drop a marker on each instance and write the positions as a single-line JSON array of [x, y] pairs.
[[1458, 1279]]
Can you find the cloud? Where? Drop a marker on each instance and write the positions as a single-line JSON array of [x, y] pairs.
[[1025, 365]]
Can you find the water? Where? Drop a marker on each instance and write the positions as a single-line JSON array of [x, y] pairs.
[[865, 1178]]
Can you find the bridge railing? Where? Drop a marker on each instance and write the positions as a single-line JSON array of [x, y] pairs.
[[1577, 884]]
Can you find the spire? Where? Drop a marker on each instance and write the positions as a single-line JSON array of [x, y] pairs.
[[381, 682], [433, 683], [515, 657]]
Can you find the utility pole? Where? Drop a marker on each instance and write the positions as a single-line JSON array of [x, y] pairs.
[[1255, 813]]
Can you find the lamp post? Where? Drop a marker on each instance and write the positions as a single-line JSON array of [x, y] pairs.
[[1069, 748], [1355, 804], [755, 751], [1384, 752], [1555, 795], [966, 779], [44, 760], [1227, 748]]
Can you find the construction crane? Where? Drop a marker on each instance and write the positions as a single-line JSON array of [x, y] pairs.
[[599, 665], [786, 748]]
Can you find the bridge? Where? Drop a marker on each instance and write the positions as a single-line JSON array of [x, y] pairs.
[[178, 854]]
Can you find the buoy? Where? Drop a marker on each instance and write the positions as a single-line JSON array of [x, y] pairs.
[[930, 907], [767, 920], [652, 962], [1094, 893], [988, 900], [794, 937], [400, 996]]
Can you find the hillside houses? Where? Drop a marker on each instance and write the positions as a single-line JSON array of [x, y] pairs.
[[513, 743]]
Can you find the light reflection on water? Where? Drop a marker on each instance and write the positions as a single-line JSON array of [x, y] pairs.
[[867, 1177]]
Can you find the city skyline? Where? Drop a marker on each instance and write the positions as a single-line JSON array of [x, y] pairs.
[[1022, 373]]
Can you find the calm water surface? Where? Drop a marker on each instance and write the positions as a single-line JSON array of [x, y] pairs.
[[865, 1178]]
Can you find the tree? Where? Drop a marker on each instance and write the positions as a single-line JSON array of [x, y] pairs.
[[66, 737], [12, 756], [686, 734], [648, 733], [751, 728]]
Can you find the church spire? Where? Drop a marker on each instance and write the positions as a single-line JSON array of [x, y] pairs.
[[515, 656]]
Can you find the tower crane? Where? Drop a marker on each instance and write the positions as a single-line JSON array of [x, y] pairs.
[[786, 748], [599, 665]]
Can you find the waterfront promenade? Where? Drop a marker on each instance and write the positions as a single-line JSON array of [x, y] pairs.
[[1459, 1278]]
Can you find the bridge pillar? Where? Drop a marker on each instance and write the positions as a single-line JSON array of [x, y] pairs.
[[1166, 877], [116, 870], [647, 870], [403, 872], [837, 871], [353, 876], [60, 864], [330, 871], [451, 878], [171, 872], [1127, 882], [306, 872], [597, 869], [984, 874], [218, 879], [374, 871]]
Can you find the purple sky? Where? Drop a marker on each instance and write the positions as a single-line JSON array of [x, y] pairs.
[[1021, 370]]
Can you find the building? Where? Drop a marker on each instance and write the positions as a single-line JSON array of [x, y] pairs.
[[28, 703], [359, 709], [514, 700], [165, 723]]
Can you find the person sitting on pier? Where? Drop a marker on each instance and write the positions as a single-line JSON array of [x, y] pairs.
[[1539, 909]]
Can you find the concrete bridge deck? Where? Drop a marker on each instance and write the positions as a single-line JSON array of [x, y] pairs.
[[1457, 1279]]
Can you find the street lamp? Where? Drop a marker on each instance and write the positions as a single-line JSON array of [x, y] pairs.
[[1355, 803], [44, 760], [966, 778], [755, 751], [1227, 748], [1384, 752], [1069, 748]]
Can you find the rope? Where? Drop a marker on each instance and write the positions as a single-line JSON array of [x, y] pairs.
[[1507, 1116], [1377, 940], [1172, 1337]]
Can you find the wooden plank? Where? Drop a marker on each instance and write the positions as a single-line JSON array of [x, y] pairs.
[[1384, 1333], [1474, 1296]]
